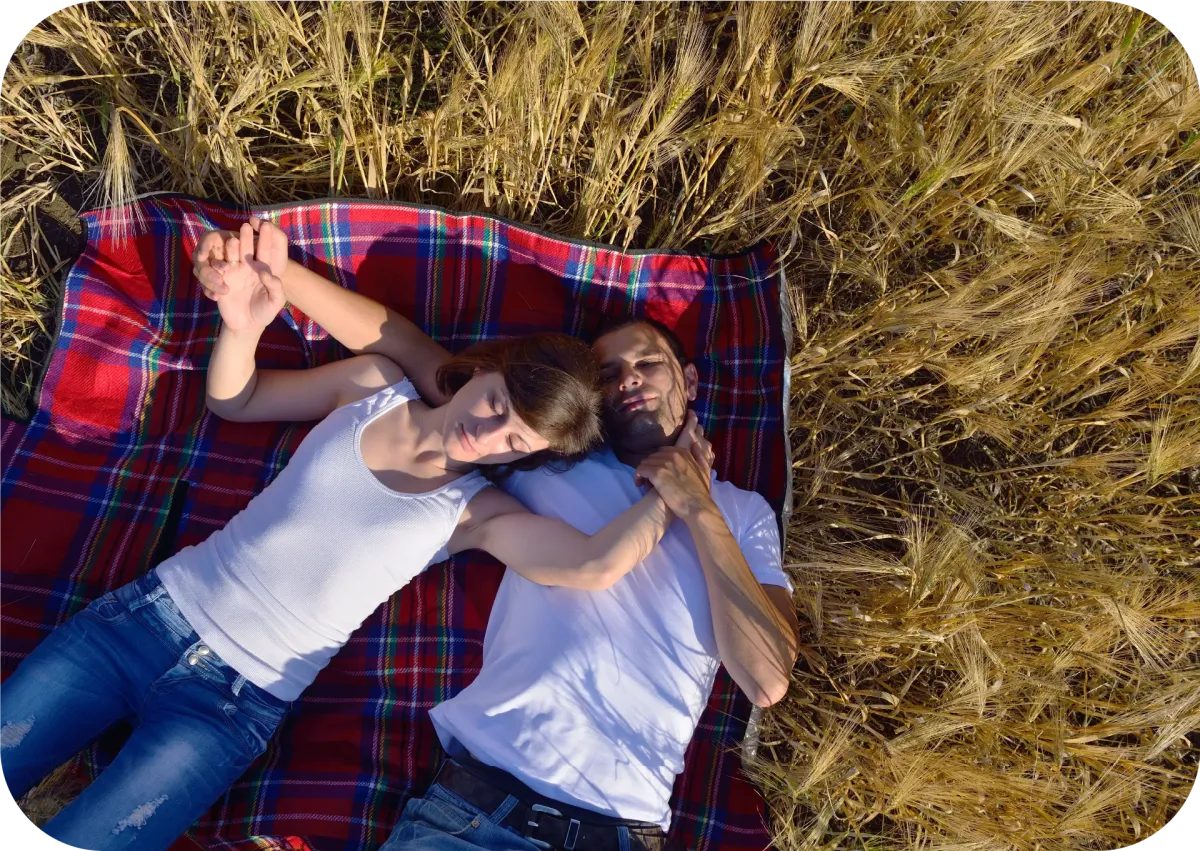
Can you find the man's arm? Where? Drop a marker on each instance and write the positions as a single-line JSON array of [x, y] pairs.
[[755, 625], [362, 325]]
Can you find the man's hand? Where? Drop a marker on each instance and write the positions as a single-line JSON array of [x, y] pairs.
[[681, 473], [267, 243], [208, 258], [250, 295]]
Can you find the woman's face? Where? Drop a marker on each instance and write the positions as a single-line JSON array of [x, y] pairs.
[[482, 427]]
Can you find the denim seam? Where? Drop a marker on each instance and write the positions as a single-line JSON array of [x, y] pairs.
[[455, 799], [460, 806], [143, 600], [446, 807], [94, 615], [155, 626], [255, 710], [254, 696], [237, 733], [165, 623]]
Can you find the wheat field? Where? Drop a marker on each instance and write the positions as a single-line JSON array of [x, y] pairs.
[[989, 217]]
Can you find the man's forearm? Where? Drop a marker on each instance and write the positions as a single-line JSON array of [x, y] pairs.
[[364, 325], [755, 641]]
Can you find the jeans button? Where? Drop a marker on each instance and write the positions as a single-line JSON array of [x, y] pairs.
[[202, 650], [193, 659]]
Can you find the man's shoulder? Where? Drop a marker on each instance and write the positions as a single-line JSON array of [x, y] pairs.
[[588, 467], [727, 494]]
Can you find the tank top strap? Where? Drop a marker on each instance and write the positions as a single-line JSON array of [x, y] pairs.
[[399, 393], [471, 484], [467, 487], [368, 408]]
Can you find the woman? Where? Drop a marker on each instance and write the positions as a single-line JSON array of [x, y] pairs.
[[206, 652]]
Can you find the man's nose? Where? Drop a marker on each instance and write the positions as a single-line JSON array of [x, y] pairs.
[[630, 379]]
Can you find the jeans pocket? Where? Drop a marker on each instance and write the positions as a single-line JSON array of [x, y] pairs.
[[106, 609], [253, 728], [446, 813]]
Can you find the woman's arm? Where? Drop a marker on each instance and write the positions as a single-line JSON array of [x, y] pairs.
[[365, 326], [360, 324], [551, 552], [238, 390]]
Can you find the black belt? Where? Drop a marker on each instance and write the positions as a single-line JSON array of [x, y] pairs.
[[546, 823]]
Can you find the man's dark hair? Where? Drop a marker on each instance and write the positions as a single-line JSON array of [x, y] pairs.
[[673, 341]]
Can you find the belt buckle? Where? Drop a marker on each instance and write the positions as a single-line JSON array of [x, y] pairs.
[[532, 825]]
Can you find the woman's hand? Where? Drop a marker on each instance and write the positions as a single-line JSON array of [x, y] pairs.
[[267, 243], [250, 294], [681, 473]]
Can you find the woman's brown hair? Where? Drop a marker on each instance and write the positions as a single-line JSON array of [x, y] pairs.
[[554, 383]]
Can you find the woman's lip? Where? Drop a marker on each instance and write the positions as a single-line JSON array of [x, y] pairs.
[[466, 441]]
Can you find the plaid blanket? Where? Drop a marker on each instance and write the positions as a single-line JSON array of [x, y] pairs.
[[121, 466]]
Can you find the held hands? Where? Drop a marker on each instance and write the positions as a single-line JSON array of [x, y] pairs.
[[681, 473], [242, 277]]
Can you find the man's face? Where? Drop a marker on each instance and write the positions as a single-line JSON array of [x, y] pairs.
[[646, 390]]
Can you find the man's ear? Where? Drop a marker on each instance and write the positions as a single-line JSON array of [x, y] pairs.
[[691, 381]]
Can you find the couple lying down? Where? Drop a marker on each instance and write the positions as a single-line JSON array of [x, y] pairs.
[[633, 574]]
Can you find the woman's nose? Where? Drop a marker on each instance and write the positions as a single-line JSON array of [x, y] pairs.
[[490, 435]]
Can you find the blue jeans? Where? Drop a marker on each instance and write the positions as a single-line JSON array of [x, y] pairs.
[[445, 821], [132, 655], [442, 821]]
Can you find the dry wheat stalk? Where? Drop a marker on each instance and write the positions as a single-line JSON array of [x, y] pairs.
[[990, 224]]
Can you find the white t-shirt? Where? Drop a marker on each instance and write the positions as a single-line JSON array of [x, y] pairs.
[[591, 697]]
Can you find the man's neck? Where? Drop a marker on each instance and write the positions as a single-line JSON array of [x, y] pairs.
[[634, 455]]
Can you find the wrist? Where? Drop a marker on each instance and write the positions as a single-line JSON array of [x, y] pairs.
[[287, 277], [247, 336], [702, 511]]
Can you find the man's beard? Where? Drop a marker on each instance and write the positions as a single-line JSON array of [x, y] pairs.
[[644, 430], [647, 430]]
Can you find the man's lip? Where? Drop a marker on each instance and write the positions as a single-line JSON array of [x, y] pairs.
[[640, 399]]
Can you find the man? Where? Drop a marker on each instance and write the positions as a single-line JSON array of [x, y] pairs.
[[575, 729]]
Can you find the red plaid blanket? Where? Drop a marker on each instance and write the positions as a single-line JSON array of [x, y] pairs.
[[121, 466]]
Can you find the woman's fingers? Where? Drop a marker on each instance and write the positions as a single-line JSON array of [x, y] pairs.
[[647, 470], [247, 242], [274, 288], [688, 433]]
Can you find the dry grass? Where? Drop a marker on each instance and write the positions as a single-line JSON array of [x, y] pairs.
[[991, 224]]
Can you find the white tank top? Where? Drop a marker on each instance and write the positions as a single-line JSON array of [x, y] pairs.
[[280, 589]]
